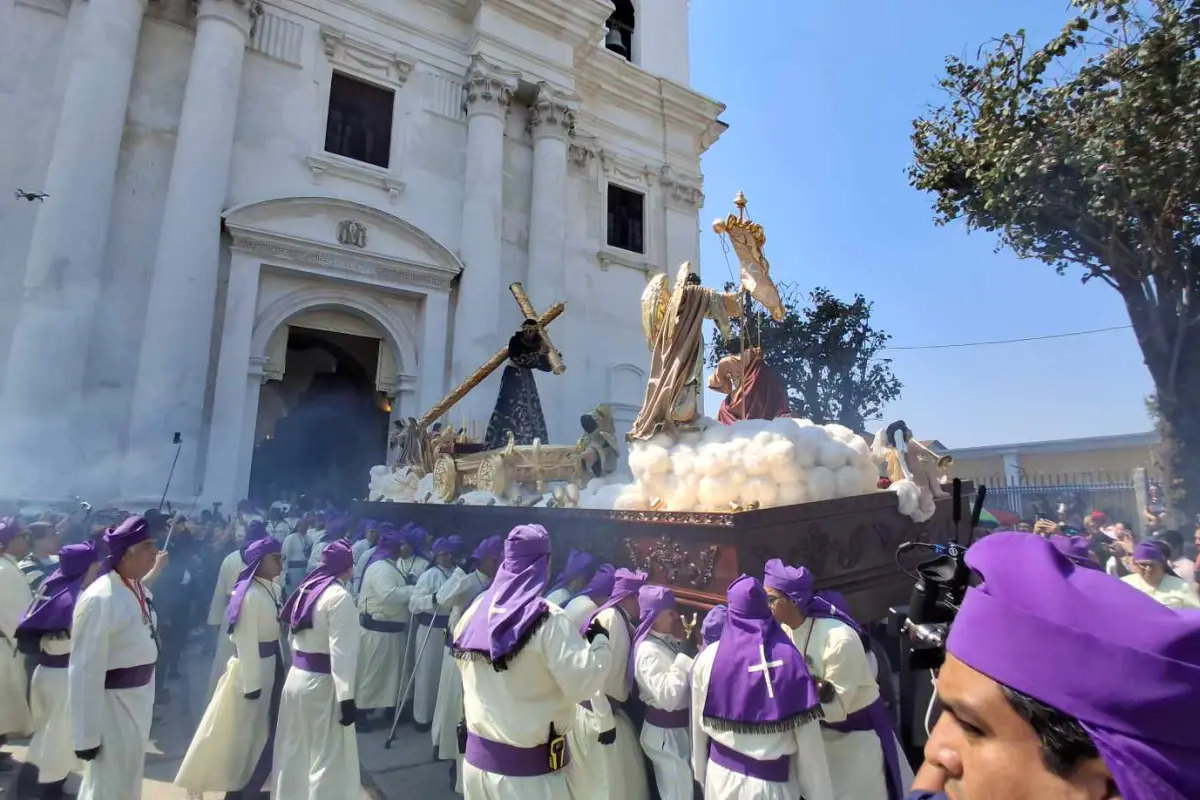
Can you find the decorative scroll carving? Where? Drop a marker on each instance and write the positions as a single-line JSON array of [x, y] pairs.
[[667, 560], [683, 191], [552, 113], [362, 56], [489, 88]]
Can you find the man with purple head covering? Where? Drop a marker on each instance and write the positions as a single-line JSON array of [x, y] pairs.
[[233, 745], [865, 761], [571, 579], [1062, 682], [431, 619], [662, 671], [218, 607], [364, 545], [46, 629], [316, 747], [456, 594], [524, 668], [598, 589], [110, 680], [15, 597], [714, 623], [1154, 576], [755, 709], [295, 557]]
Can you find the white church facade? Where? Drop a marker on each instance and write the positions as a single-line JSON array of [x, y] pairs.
[[243, 199]]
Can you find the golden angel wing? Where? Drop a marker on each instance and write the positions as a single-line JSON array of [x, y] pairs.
[[654, 307]]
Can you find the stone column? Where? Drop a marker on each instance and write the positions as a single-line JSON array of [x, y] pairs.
[[477, 329], [431, 382], [43, 382], [174, 361]]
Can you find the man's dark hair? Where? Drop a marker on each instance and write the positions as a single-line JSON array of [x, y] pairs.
[[1065, 743]]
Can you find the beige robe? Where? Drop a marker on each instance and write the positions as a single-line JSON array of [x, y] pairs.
[[809, 771], [385, 597], [234, 730], [51, 749], [543, 685], [15, 597], [1172, 592], [456, 593], [227, 575], [664, 680], [429, 644]]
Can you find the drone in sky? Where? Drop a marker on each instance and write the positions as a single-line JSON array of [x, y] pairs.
[[30, 196]]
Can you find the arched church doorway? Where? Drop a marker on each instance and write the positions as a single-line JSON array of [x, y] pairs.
[[322, 424]]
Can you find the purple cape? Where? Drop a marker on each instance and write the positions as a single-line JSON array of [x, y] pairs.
[[133, 530], [52, 609], [252, 556], [600, 584], [714, 622], [509, 610], [625, 584], [652, 601], [797, 584], [297, 612], [578, 563], [759, 682], [1036, 618]]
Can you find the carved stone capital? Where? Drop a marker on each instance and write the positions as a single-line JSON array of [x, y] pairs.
[[241, 14], [552, 113], [489, 87]]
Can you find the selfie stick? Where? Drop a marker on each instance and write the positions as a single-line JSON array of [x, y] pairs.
[[178, 442]]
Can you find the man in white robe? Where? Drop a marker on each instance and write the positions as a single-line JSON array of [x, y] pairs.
[[335, 529], [383, 617], [755, 710], [596, 591], [218, 607], [431, 619], [232, 748], [412, 565], [295, 559], [46, 628], [663, 674], [457, 593], [110, 680], [15, 597], [316, 747], [525, 668], [851, 706], [573, 577]]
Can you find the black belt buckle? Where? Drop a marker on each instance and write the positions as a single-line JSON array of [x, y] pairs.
[[557, 748]]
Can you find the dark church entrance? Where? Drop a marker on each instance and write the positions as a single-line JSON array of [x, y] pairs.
[[323, 426]]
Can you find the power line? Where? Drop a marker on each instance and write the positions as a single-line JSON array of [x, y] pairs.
[[1013, 341]]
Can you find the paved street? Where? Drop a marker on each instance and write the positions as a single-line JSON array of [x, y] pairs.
[[406, 769]]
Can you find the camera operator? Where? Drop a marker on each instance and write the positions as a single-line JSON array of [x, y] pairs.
[[1040, 698]]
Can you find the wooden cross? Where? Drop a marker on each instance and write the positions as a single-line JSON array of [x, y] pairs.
[[765, 668], [555, 357]]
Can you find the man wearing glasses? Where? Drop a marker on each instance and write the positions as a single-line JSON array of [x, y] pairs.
[[1152, 575]]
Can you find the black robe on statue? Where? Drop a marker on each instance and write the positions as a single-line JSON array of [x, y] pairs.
[[518, 408]]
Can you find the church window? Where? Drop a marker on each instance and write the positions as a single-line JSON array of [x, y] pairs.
[[620, 30], [626, 219], [359, 125]]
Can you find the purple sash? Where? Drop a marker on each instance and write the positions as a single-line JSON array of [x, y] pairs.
[[312, 662], [262, 767], [129, 677], [773, 771], [430, 621], [511, 761], [268, 649], [55, 662], [668, 719], [369, 623], [875, 718]]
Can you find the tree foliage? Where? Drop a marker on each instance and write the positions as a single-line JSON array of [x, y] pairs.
[[825, 353], [1084, 153]]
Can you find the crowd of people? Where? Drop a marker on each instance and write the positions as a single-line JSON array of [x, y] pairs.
[[584, 683]]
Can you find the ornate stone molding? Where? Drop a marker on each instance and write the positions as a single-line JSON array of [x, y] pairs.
[[322, 164], [552, 113], [581, 155], [610, 256], [625, 170], [680, 190], [359, 55], [242, 13], [488, 87]]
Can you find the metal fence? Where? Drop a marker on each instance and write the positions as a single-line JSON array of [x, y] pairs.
[[1042, 495]]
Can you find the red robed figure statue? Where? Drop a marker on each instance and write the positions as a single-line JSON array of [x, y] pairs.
[[752, 390]]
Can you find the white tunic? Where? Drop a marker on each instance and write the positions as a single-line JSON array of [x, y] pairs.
[[227, 575], [428, 661], [15, 597], [411, 569], [316, 758], [234, 730], [809, 772], [361, 557], [109, 632], [543, 685], [295, 560], [664, 681], [385, 597], [560, 597], [579, 608], [52, 749], [314, 558], [617, 770], [456, 593]]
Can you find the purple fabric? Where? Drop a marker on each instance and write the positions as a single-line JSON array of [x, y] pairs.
[[1076, 549], [777, 770], [388, 546], [714, 623], [335, 530], [447, 544], [875, 718], [797, 584], [256, 530], [759, 681], [491, 547], [652, 601], [510, 761], [129, 677], [625, 584], [336, 559], [252, 556], [513, 603], [134, 530], [600, 584], [1036, 618], [320, 663], [415, 537], [1146, 551], [54, 605], [578, 564], [9, 528]]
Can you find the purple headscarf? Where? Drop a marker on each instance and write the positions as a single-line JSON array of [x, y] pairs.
[[512, 607], [388, 546], [625, 584], [714, 622], [652, 601], [578, 563], [491, 547], [133, 530], [256, 530], [335, 530], [1076, 549], [336, 560], [9, 528], [600, 584], [415, 537], [759, 682], [1036, 617], [54, 605], [446, 544], [797, 584], [1148, 551], [253, 555]]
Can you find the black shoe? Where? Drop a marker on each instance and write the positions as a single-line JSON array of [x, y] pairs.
[[54, 791], [423, 727], [453, 774], [27, 781]]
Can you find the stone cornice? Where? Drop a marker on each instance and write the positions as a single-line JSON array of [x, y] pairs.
[[343, 49], [489, 87], [579, 23], [552, 113]]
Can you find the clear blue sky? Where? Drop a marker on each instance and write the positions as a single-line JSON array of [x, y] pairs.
[[820, 96]]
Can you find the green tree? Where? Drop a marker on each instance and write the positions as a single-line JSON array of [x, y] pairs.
[[1084, 153], [825, 353]]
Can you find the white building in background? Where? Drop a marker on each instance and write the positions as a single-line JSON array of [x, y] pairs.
[[226, 178]]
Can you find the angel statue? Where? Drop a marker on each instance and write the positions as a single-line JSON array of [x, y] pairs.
[[673, 322], [601, 453]]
